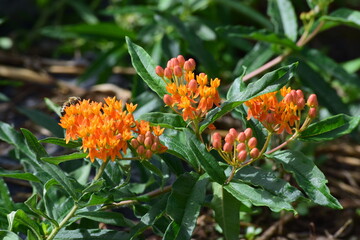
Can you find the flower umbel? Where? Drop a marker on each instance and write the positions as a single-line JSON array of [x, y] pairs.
[[105, 128], [189, 95], [282, 113]]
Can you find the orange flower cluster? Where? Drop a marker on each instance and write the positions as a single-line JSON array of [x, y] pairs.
[[105, 129], [189, 95], [277, 116], [237, 147], [147, 143]]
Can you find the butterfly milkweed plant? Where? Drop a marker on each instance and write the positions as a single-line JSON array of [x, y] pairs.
[[135, 173]]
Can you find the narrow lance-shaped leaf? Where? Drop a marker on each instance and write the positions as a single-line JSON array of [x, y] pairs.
[[257, 196], [187, 196], [20, 217], [145, 67], [166, 120], [308, 176], [330, 128], [64, 158], [32, 204], [270, 82], [227, 209], [19, 175], [345, 16]]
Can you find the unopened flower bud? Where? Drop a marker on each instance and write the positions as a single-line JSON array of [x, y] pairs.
[[252, 142], [254, 153], [168, 73], [241, 137], [300, 103], [189, 65], [248, 133], [233, 132], [299, 93], [288, 98], [192, 85], [148, 142], [228, 147], [240, 147], [193, 63], [154, 147], [141, 139], [168, 100], [229, 138], [312, 112], [178, 71], [216, 143], [242, 155], [159, 71], [148, 134], [148, 154], [216, 136], [134, 143], [312, 101], [140, 150], [181, 60]]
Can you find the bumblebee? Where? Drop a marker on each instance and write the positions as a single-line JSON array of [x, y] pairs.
[[70, 101]]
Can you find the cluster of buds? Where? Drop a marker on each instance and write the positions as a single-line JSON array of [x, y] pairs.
[[189, 95], [284, 115], [148, 143], [237, 147]]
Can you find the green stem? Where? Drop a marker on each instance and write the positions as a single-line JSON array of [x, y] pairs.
[[75, 207], [296, 134], [266, 144], [233, 170]]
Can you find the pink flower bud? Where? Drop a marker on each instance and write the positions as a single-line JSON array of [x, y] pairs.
[[312, 112], [242, 156], [233, 132], [141, 139], [148, 154], [148, 134], [312, 101], [288, 98], [300, 103], [192, 85], [148, 142], [181, 60], [229, 138], [168, 100], [174, 62], [252, 142], [248, 133], [241, 137], [217, 143], [168, 73], [299, 93], [178, 71], [140, 150], [216, 136], [159, 71], [134, 143], [254, 153], [154, 147], [193, 63], [189, 65], [228, 147], [240, 147]]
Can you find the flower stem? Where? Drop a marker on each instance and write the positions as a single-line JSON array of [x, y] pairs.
[[296, 134], [233, 170], [75, 207]]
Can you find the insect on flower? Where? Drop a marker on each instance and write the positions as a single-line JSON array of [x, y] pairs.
[[69, 102]]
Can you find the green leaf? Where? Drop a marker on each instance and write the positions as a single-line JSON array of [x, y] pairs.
[[43, 120], [255, 58], [227, 212], [325, 93], [7, 235], [282, 11], [165, 120], [61, 142], [33, 143], [176, 144], [330, 128], [112, 218], [270, 82], [259, 35], [20, 217], [152, 167], [257, 196], [64, 158], [186, 198], [207, 161], [245, 10], [19, 175], [330, 67], [269, 182], [308, 176], [32, 204], [5, 200], [91, 234], [106, 31], [145, 67], [344, 16]]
